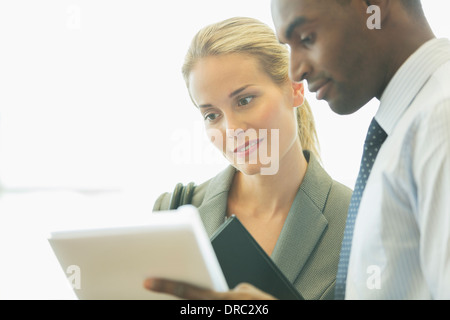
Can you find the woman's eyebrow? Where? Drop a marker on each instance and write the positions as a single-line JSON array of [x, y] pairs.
[[236, 92], [233, 94]]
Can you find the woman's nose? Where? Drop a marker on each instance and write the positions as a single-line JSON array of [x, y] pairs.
[[234, 133], [234, 126]]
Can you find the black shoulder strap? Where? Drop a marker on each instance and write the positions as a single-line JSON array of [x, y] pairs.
[[181, 195]]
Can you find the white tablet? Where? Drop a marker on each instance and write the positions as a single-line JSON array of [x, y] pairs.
[[112, 263]]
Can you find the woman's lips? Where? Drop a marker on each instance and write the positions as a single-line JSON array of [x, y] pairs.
[[247, 148]]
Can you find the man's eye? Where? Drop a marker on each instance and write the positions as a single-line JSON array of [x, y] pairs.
[[307, 39], [245, 101]]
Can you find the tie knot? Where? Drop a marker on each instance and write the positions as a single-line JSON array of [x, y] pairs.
[[375, 134]]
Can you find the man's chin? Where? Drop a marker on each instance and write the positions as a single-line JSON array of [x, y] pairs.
[[343, 106]]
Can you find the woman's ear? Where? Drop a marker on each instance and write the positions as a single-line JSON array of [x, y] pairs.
[[299, 93]]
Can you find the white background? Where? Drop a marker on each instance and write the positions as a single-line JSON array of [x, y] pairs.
[[94, 117]]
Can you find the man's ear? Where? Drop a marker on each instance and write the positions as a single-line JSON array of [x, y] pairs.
[[299, 93], [384, 7]]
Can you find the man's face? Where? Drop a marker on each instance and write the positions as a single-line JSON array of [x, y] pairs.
[[332, 48]]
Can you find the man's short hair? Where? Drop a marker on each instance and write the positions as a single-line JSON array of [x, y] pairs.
[[413, 6]]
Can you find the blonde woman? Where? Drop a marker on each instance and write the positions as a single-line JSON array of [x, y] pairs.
[[236, 73]]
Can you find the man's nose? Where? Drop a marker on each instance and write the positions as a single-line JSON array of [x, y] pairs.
[[300, 69]]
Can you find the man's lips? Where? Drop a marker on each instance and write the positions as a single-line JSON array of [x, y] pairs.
[[320, 87]]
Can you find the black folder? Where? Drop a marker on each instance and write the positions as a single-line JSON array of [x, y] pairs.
[[243, 260]]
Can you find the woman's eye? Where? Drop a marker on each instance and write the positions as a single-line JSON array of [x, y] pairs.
[[211, 116], [245, 101]]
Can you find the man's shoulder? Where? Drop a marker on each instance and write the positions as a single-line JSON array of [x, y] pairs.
[[435, 94], [440, 80]]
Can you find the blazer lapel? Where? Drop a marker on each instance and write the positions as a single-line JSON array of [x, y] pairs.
[[305, 222], [214, 206], [303, 227]]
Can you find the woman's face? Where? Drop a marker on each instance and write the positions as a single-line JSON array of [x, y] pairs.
[[248, 117]]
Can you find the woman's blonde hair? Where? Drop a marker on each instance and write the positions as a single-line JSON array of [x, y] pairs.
[[252, 37]]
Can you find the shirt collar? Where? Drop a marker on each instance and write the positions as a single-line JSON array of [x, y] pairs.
[[408, 81]]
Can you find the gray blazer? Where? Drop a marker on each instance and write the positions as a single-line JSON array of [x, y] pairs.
[[307, 250]]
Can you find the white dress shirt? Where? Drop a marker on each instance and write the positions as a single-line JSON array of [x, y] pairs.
[[401, 242]]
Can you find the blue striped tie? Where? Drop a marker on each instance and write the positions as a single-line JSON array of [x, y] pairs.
[[374, 139]]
